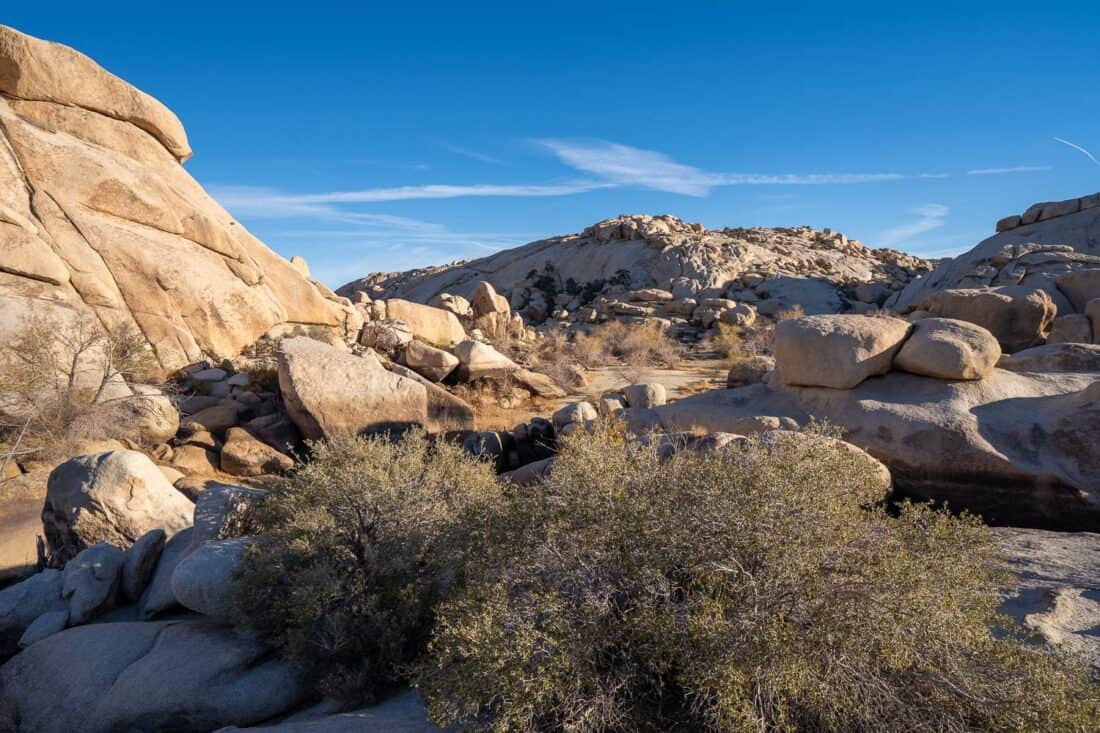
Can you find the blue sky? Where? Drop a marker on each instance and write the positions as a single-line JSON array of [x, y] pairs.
[[402, 134]]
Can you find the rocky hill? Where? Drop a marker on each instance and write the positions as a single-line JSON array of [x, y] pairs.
[[821, 271], [1036, 280], [97, 215]]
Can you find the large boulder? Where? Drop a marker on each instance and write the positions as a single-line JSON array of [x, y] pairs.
[[1074, 328], [114, 497], [430, 362], [434, 325], [486, 300], [244, 455], [1016, 448], [204, 580], [150, 676], [482, 361], [837, 351], [948, 349], [329, 392], [1080, 286], [1049, 358], [1017, 316], [101, 221]]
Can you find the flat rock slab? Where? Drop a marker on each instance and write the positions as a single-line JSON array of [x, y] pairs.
[[168, 675]]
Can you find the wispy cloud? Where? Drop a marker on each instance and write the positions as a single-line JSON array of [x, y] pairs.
[[347, 244], [1078, 148], [1011, 169], [448, 191], [626, 166], [473, 154], [929, 217]]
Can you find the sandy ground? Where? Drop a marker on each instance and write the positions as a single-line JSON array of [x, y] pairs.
[[20, 524], [695, 374]]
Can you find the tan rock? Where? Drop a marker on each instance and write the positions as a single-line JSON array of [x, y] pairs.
[[481, 361], [1017, 316], [1092, 310], [948, 349], [432, 363], [196, 460], [434, 325], [838, 351], [243, 455], [1073, 328], [537, 383], [1054, 358], [1080, 286], [454, 303], [329, 392], [486, 300], [38, 70]]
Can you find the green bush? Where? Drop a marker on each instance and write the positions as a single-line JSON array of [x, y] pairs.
[[359, 548], [743, 591]]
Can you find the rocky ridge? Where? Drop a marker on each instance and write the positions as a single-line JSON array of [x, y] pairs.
[[642, 266]]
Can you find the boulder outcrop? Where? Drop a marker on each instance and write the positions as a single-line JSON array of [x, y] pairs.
[[1019, 317], [98, 217], [1016, 448], [1053, 247], [837, 351], [640, 265]]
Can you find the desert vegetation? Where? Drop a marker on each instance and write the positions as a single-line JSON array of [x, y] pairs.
[[359, 548], [753, 588], [63, 382]]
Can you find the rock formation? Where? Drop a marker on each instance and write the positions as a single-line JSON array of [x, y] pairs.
[[1030, 283], [97, 215], [1016, 447], [645, 266]]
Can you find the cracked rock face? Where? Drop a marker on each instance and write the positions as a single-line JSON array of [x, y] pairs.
[[97, 215]]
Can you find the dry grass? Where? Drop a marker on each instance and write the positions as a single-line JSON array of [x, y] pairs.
[[633, 344]]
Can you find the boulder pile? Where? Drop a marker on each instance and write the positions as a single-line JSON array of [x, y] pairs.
[[639, 267], [1036, 281], [132, 629], [1009, 437]]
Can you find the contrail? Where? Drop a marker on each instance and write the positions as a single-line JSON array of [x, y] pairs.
[[1078, 147]]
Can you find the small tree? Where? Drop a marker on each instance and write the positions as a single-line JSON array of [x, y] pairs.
[[54, 374]]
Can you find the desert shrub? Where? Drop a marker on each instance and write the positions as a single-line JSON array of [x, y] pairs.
[[747, 590], [554, 356], [359, 547], [634, 344], [728, 341], [54, 374]]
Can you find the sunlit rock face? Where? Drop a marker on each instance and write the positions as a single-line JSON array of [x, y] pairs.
[[97, 215]]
